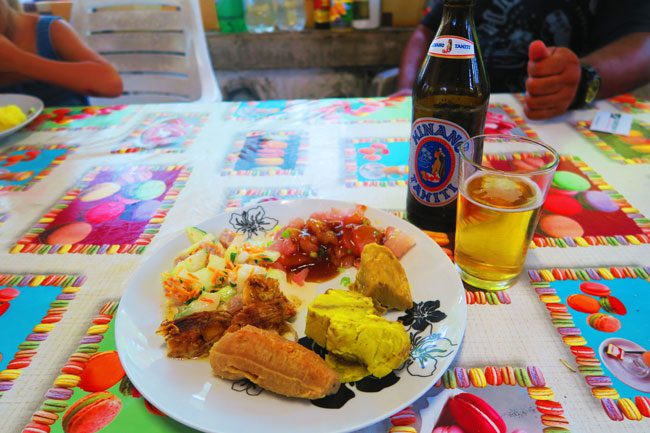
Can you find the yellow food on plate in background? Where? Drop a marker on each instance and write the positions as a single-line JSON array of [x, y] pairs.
[[10, 116]]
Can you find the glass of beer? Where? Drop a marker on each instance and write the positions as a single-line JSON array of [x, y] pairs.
[[498, 206]]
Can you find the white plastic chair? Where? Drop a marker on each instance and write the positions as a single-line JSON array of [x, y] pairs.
[[158, 47]]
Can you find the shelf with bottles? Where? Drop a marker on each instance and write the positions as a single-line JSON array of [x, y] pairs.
[[267, 16]]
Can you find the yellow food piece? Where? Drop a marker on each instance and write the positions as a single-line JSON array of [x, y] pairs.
[[382, 277], [347, 371], [375, 342], [10, 116], [332, 304], [359, 342]]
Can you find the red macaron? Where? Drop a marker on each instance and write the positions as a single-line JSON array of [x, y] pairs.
[[595, 289], [91, 413], [583, 303], [101, 371], [473, 414]]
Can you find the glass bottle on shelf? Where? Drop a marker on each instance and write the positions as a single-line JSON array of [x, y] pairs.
[[291, 15], [322, 14], [341, 15], [366, 14], [260, 16], [231, 16]]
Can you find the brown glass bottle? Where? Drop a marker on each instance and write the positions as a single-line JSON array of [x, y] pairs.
[[450, 101]]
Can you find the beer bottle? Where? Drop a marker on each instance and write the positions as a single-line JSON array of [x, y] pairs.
[[321, 14], [450, 102]]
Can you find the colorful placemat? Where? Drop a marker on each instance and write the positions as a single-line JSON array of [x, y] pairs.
[[30, 307], [631, 149], [86, 118], [361, 110], [519, 394], [281, 109], [23, 166], [581, 209], [267, 153], [503, 119], [111, 210], [239, 197], [598, 312], [376, 161], [94, 371], [630, 104], [163, 133]]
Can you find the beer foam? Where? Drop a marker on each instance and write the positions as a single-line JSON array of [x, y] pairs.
[[502, 192]]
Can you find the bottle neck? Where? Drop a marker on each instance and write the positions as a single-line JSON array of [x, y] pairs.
[[457, 20]]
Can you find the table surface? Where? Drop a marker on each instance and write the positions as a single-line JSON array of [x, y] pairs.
[[516, 334]]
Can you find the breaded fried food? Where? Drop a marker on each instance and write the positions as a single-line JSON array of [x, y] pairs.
[[193, 336], [382, 277], [272, 362]]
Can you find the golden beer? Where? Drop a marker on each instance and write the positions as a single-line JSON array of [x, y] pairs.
[[497, 215]]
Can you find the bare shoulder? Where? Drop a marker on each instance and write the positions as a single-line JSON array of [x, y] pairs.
[[68, 44], [61, 33]]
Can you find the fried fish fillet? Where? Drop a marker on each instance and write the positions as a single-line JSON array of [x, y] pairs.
[[193, 335], [272, 362]]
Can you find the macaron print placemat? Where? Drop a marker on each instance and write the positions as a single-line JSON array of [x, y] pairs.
[[239, 197], [77, 118], [492, 399], [30, 307], [602, 315], [92, 393], [163, 133], [111, 210], [267, 153], [630, 149], [502, 119], [23, 166], [362, 110], [377, 161], [630, 104], [581, 209]]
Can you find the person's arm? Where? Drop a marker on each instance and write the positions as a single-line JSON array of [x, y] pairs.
[[416, 50], [80, 70], [554, 73], [622, 65]]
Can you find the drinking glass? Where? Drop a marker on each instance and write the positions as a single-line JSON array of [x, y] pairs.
[[498, 206]]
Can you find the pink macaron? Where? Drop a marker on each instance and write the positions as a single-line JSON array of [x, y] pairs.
[[474, 414]]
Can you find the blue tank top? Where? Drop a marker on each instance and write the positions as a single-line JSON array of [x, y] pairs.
[[51, 95]]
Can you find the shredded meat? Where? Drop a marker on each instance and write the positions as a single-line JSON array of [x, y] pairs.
[[265, 306], [261, 304], [194, 335]]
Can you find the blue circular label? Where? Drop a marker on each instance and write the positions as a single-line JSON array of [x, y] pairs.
[[433, 160]]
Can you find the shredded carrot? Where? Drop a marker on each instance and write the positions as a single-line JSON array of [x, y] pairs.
[[208, 300], [217, 273], [179, 291], [191, 276]]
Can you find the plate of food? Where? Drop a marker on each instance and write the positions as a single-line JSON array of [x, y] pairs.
[[309, 315], [16, 111]]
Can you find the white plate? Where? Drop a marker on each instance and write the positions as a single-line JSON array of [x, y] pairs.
[[26, 103], [186, 390]]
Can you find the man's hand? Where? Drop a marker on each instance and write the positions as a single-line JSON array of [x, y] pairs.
[[553, 78]]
